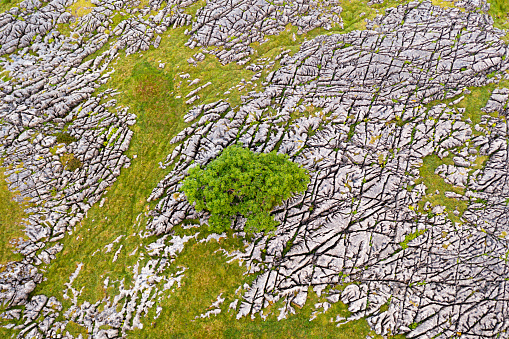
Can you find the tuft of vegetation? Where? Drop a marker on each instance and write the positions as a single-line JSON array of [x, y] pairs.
[[443, 3], [473, 102], [65, 138], [70, 162], [435, 183], [410, 237], [81, 8], [241, 182]]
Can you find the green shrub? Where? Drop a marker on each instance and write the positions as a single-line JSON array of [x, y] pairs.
[[241, 182]]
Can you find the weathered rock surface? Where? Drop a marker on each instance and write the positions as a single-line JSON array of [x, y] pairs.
[[234, 25], [416, 271], [364, 148]]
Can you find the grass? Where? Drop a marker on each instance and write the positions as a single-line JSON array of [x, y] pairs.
[[75, 329], [5, 5], [434, 182], [209, 275], [473, 102], [65, 138], [476, 100], [81, 8], [355, 13], [499, 11], [410, 237], [11, 216], [147, 77], [64, 29], [443, 3], [11, 230]]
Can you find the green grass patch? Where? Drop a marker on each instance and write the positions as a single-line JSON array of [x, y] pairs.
[[209, 275], [355, 12], [410, 237], [477, 99], [81, 8], [499, 11], [11, 215], [434, 182], [64, 29], [5, 5], [473, 103], [195, 7], [75, 329], [444, 4]]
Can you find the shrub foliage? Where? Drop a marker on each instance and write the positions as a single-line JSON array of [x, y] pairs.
[[241, 182]]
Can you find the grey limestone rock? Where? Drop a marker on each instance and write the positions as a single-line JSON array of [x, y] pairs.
[[360, 206], [364, 147]]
